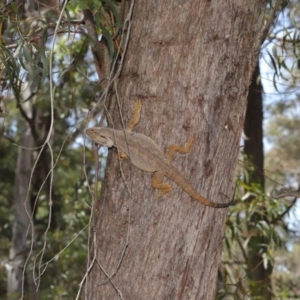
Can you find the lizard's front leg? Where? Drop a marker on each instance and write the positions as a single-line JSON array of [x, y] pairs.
[[158, 184], [134, 120], [181, 149], [136, 115]]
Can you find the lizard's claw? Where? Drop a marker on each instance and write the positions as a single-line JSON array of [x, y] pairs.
[[165, 190], [122, 155]]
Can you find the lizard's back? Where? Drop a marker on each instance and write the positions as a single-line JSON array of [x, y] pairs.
[[142, 150]]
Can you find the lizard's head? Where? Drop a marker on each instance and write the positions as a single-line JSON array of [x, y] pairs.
[[101, 136]]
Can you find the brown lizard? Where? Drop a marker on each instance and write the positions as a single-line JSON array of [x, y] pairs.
[[146, 155]]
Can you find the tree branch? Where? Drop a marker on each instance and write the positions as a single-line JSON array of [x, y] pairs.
[[270, 21]]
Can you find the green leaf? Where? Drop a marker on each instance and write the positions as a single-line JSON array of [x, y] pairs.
[[27, 54], [14, 7], [274, 50], [69, 22], [274, 82], [265, 260], [110, 43], [45, 66], [82, 5], [116, 16]]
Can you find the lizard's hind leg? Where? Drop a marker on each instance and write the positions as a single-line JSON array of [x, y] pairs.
[[158, 184], [158, 177], [181, 149]]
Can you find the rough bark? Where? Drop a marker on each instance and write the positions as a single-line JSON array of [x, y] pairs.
[[258, 274], [191, 63]]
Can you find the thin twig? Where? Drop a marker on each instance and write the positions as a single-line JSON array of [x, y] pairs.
[[46, 142]]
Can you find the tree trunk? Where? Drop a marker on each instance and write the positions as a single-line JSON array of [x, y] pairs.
[[19, 249], [190, 62], [257, 272]]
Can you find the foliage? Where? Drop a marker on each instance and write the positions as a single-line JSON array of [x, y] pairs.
[[283, 132], [233, 276], [28, 64], [276, 220]]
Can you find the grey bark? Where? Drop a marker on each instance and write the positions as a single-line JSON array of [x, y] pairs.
[[190, 62]]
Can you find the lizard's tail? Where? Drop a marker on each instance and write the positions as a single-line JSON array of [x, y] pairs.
[[187, 187]]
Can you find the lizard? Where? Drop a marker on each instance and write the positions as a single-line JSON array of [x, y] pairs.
[[145, 154]]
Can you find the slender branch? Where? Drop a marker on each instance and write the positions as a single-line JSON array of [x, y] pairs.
[[270, 21], [287, 192], [98, 49]]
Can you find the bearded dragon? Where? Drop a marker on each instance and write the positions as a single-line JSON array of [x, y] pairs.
[[145, 154]]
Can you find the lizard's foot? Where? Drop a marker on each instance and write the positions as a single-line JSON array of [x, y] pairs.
[[188, 145], [136, 114], [181, 149], [122, 155], [164, 189]]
